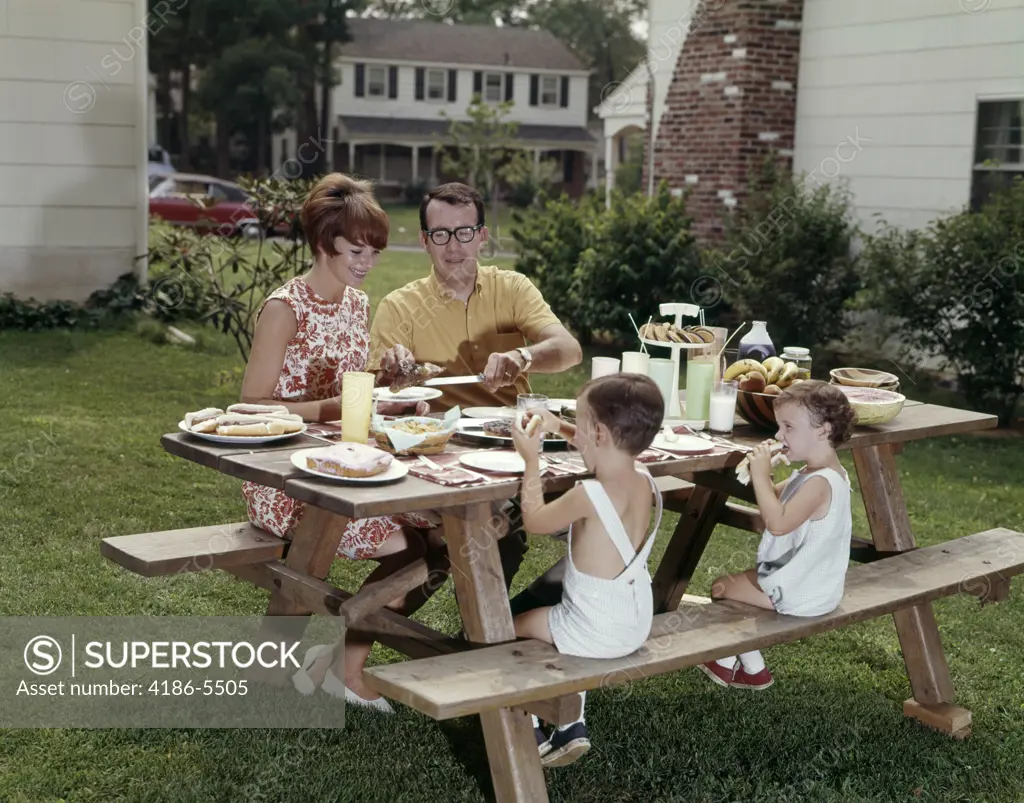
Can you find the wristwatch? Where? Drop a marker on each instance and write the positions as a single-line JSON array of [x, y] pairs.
[[527, 358]]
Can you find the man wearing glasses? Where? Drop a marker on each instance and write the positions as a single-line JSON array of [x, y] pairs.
[[470, 318]]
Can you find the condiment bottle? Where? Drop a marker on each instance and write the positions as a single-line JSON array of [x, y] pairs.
[[756, 344]]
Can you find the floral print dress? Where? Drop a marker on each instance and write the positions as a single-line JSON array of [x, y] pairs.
[[332, 337]]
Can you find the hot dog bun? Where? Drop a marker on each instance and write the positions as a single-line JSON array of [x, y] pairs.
[[743, 469], [198, 417], [258, 409]]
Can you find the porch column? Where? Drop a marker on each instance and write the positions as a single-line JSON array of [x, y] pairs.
[[536, 162], [351, 157], [592, 184], [383, 160], [415, 163], [609, 170]]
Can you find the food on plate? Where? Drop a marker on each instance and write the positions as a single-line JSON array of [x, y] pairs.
[[670, 333], [499, 428], [201, 416], [568, 413], [407, 374], [350, 460], [743, 469], [436, 434], [258, 409]]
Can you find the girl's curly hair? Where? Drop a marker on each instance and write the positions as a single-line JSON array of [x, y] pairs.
[[825, 403]]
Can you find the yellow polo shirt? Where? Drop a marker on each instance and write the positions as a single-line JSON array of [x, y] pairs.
[[505, 311]]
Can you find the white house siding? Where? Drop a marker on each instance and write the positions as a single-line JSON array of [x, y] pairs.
[[73, 120], [905, 78]]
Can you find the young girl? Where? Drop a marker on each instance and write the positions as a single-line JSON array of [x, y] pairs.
[[805, 548], [607, 607], [309, 332]]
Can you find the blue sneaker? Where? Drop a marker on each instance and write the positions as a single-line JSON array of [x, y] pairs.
[[566, 746], [543, 741]]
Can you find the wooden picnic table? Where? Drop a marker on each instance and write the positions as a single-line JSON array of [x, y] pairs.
[[298, 589]]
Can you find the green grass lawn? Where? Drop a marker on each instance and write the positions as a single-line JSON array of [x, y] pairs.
[[82, 416], [405, 226]]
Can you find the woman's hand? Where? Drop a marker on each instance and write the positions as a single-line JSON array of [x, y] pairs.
[[760, 461]]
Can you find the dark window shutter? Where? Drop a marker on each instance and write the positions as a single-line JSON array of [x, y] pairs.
[[452, 79], [360, 80], [392, 82], [421, 78], [534, 89], [565, 92], [478, 83], [509, 78]]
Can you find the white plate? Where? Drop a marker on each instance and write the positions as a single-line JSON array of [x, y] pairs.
[[239, 439], [490, 412], [686, 444], [497, 462], [408, 395], [395, 471], [678, 345]]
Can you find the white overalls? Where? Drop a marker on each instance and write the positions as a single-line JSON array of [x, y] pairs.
[[602, 618]]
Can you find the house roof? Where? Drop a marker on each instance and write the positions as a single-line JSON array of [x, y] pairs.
[[430, 42], [396, 127]]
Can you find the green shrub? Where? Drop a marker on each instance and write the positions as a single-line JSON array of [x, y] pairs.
[[640, 253], [955, 292], [788, 259]]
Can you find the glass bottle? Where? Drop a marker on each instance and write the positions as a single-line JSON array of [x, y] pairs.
[[756, 344], [802, 358]]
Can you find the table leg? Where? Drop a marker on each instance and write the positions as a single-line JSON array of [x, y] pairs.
[[312, 551], [916, 627], [684, 550], [472, 535]]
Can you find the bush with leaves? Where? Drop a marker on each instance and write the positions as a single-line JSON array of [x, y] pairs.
[[956, 292], [550, 239], [525, 181], [787, 259], [641, 253]]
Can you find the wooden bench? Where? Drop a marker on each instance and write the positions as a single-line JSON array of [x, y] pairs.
[[196, 549], [516, 673]]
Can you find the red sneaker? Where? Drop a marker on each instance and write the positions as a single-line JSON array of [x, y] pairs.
[[742, 679], [718, 673]]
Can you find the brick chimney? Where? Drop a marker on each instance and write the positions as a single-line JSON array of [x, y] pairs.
[[731, 102]]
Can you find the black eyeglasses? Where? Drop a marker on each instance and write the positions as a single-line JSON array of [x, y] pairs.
[[464, 234]]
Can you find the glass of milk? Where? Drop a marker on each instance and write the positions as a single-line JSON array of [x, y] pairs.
[[722, 407]]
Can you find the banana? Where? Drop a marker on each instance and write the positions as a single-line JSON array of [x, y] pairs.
[[774, 366], [789, 373], [742, 367]]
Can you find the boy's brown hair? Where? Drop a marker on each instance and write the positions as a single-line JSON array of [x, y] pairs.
[[825, 403], [453, 194], [630, 405], [341, 206]]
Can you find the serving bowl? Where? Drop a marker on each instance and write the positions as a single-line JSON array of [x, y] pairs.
[[758, 409], [864, 378], [436, 434], [873, 406]]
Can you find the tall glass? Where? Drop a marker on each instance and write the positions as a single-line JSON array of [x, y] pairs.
[[356, 405], [527, 401], [635, 362], [663, 372], [603, 366], [700, 376], [722, 407]]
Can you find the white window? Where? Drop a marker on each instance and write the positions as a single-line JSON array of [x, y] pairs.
[[492, 87], [377, 82], [998, 147], [435, 84], [549, 90]]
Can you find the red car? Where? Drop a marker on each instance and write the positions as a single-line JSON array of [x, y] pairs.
[[209, 203]]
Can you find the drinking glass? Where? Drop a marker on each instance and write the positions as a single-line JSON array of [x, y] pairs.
[[527, 401], [663, 372], [356, 405], [635, 362], [722, 407], [700, 377], [603, 366]]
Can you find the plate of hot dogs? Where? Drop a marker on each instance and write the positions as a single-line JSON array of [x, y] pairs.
[[243, 423]]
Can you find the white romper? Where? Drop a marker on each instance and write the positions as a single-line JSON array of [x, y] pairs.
[[804, 571], [600, 617]]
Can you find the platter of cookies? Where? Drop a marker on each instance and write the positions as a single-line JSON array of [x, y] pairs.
[[243, 423], [350, 463], [671, 335]]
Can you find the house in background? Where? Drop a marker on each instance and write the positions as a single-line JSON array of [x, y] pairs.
[[73, 138], [397, 76], [917, 104]]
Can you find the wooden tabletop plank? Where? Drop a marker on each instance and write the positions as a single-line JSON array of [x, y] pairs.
[[269, 464]]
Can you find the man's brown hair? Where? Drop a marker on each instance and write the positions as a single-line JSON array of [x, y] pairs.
[[630, 405], [341, 206], [454, 194], [825, 404]]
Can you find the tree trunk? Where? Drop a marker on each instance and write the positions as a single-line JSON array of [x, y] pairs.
[[186, 101], [223, 146]]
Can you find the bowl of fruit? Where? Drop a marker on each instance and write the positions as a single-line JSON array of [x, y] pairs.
[[759, 384]]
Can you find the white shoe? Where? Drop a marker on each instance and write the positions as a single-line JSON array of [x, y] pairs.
[[336, 688], [301, 679]]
